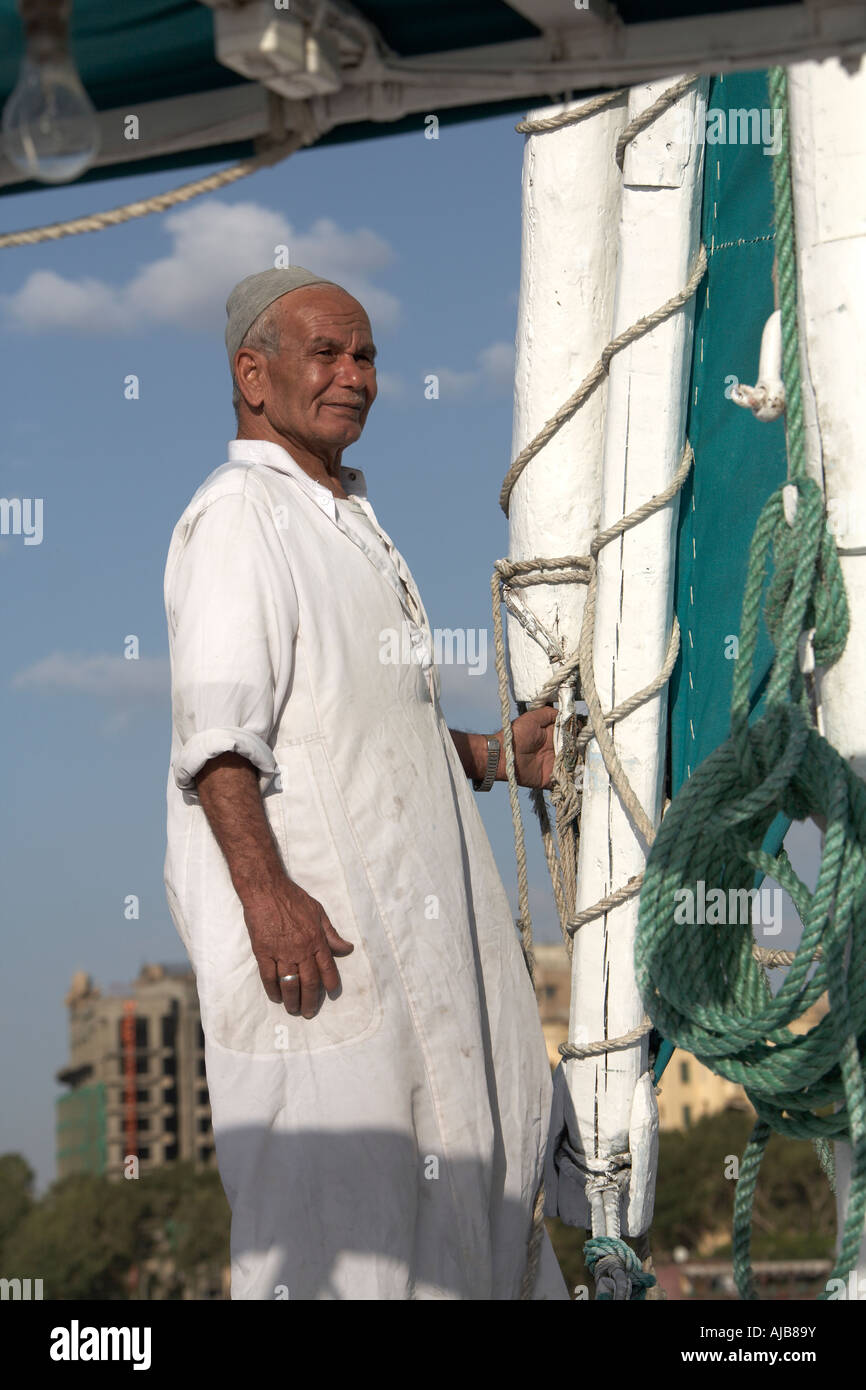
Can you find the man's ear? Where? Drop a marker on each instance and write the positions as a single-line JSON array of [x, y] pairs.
[[249, 369]]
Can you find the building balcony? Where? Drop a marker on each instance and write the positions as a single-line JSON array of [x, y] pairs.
[[75, 1076]]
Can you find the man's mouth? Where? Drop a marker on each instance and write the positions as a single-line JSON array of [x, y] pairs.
[[345, 405]]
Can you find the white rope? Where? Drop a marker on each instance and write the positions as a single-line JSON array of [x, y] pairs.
[[579, 1051], [159, 202]]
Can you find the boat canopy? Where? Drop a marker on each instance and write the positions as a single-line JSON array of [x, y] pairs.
[[193, 72]]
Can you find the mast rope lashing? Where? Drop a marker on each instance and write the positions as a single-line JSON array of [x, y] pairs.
[[704, 988], [578, 1051], [598, 374], [583, 569], [561, 856], [640, 122]]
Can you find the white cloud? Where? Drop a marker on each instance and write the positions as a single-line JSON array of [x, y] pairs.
[[390, 386], [497, 364], [46, 300], [458, 384], [213, 245], [110, 677], [494, 372]]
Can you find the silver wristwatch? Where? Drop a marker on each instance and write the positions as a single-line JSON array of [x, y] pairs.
[[489, 778]]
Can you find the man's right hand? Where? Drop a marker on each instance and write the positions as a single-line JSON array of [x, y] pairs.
[[289, 931], [291, 935]]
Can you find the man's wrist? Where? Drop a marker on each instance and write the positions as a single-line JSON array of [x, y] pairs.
[[500, 767], [263, 877], [472, 751], [478, 744]]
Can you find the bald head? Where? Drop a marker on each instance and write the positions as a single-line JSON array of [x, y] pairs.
[[304, 373]]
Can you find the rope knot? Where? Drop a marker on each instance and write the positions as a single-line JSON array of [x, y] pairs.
[[606, 1254]]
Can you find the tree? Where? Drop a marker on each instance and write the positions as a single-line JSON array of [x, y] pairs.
[[16, 1197], [165, 1234], [80, 1239]]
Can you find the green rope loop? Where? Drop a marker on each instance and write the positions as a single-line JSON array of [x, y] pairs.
[[700, 983], [610, 1249]]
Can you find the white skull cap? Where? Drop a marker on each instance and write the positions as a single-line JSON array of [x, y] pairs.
[[252, 296]]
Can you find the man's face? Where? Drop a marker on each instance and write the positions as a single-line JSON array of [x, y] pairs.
[[318, 388]]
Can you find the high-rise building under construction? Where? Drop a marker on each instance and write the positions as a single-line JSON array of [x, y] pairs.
[[136, 1076]]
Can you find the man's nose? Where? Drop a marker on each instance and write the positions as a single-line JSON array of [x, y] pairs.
[[348, 372]]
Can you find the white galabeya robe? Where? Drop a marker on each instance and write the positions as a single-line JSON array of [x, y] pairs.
[[391, 1147]]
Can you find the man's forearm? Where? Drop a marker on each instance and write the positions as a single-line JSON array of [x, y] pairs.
[[472, 752], [228, 790]]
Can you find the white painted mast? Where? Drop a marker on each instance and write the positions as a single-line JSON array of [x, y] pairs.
[[570, 204], [588, 273], [612, 1100], [828, 154]]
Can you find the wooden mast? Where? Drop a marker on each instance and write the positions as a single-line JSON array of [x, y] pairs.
[[581, 231]]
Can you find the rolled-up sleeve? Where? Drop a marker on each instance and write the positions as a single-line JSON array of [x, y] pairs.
[[233, 613]]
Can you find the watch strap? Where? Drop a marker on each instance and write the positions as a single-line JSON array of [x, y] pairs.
[[493, 751]]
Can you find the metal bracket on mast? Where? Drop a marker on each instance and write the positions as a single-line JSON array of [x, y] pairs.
[[533, 626]]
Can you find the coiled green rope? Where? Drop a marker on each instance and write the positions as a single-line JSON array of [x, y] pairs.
[[700, 984]]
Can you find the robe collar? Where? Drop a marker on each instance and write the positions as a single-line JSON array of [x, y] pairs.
[[275, 456]]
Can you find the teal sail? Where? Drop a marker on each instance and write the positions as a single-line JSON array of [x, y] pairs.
[[739, 460]]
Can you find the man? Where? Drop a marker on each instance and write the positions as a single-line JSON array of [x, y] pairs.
[[380, 1124]]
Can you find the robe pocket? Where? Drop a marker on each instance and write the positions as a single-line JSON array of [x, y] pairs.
[[313, 834]]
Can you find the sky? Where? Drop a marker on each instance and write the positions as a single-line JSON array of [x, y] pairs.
[[426, 233]]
